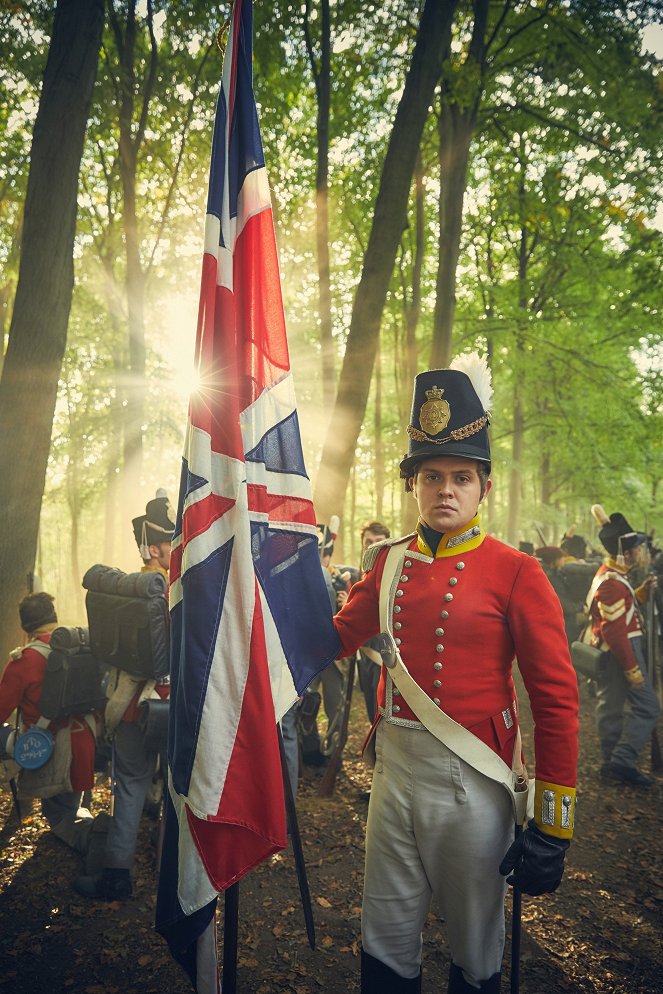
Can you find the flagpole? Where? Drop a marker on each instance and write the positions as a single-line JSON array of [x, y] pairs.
[[297, 851], [230, 930]]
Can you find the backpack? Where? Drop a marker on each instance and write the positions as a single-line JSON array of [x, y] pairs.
[[73, 676], [128, 619]]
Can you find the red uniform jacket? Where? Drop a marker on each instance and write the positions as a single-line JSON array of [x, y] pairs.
[[20, 687], [473, 612], [615, 618]]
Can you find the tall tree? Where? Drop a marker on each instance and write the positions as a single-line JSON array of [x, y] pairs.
[[151, 106], [38, 330], [389, 220], [321, 69], [462, 89], [132, 136]]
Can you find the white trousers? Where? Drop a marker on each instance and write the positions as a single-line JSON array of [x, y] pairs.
[[435, 827]]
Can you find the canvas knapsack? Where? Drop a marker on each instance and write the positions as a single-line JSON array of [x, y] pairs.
[[73, 676], [128, 620]]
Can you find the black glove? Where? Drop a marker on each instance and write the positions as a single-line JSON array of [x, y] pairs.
[[535, 861]]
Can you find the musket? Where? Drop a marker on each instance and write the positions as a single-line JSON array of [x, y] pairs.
[[328, 781], [297, 851], [539, 532], [652, 668]]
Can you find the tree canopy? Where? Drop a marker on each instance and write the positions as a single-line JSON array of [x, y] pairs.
[[529, 230]]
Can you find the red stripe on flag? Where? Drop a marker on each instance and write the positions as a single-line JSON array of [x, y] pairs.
[[259, 306], [250, 823], [198, 517], [278, 506], [195, 521], [215, 405], [175, 568]]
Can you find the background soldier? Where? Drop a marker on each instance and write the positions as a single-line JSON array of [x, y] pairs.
[[617, 629], [135, 763], [21, 688]]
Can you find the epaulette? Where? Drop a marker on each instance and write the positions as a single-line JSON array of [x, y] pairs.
[[371, 554], [17, 652]]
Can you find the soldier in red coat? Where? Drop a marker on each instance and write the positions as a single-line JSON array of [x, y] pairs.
[[20, 688], [617, 629], [461, 606]]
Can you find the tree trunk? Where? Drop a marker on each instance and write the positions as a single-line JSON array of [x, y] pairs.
[[38, 331], [131, 139], [515, 476], [322, 77], [378, 451], [455, 129], [389, 220], [74, 550], [409, 513]]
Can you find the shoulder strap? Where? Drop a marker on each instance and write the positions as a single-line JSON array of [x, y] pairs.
[[370, 554], [598, 580], [42, 648]]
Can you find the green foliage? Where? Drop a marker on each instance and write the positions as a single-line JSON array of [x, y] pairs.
[[560, 258]]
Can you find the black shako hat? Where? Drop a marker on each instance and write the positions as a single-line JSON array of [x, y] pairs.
[[618, 537], [450, 413], [156, 525]]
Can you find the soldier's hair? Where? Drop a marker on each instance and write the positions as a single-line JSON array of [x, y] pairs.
[[376, 527], [484, 473], [36, 610]]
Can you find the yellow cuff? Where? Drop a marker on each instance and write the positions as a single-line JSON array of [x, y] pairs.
[[554, 809]]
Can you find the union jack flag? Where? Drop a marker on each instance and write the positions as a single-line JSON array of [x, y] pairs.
[[251, 623]]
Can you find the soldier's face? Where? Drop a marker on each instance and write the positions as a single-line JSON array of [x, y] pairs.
[[448, 492], [161, 553], [370, 538]]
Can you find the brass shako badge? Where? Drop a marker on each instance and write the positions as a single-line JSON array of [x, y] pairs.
[[435, 414]]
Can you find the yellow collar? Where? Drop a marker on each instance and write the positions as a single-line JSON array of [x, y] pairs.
[[614, 565], [463, 539], [155, 568]]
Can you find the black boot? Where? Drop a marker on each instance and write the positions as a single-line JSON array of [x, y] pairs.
[[377, 978], [109, 885], [459, 985]]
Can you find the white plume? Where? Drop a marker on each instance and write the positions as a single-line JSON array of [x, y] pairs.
[[334, 524], [476, 367], [599, 514]]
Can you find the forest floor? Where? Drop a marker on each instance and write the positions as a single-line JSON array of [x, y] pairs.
[[600, 932]]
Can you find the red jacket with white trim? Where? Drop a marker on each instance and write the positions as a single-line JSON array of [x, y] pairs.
[[462, 619], [614, 614]]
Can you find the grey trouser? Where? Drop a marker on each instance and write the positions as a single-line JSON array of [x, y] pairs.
[[435, 827], [626, 715], [61, 807], [134, 766]]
